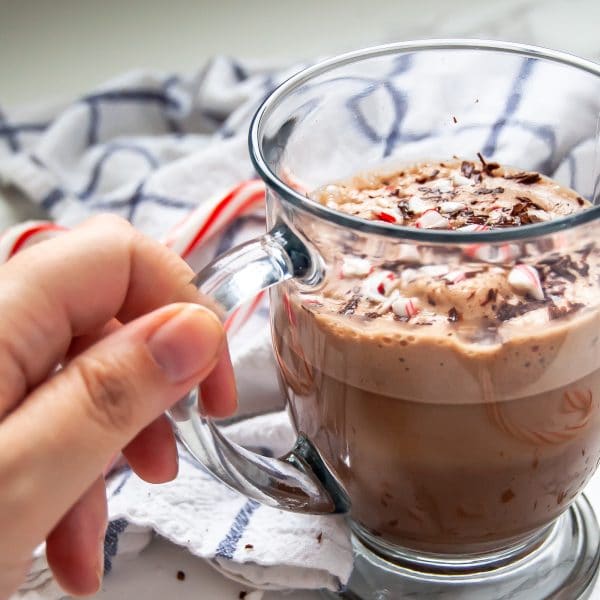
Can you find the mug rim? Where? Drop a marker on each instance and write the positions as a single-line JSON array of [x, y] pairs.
[[291, 196]]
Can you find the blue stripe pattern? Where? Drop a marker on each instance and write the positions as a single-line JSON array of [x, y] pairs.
[[52, 198], [111, 542], [93, 123], [228, 544], [512, 104], [127, 473], [11, 141], [10, 132], [137, 96], [108, 153]]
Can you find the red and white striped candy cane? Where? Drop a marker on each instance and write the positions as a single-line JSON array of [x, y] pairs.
[[26, 234], [210, 218], [213, 215]]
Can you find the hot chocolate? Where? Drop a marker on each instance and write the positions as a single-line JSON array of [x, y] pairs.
[[454, 392]]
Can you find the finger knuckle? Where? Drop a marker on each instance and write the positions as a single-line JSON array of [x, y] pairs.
[[111, 221], [108, 393]]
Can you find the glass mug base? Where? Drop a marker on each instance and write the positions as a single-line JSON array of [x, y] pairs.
[[560, 562]]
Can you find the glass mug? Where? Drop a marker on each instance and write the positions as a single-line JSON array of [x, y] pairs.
[[460, 457]]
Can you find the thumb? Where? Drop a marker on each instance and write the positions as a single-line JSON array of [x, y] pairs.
[[58, 440]]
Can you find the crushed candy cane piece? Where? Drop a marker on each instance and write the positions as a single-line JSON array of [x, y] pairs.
[[408, 275], [405, 307], [353, 266], [434, 270], [444, 185], [387, 302], [462, 180], [431, 219], [387, 284], [409, 253], [524, 279], [496, 215], [418, 206], [455, 276], [473, 227], [451, 207], [385, 216], [371, 285], [493, 254]]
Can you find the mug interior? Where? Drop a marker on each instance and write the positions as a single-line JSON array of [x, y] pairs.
[[431, 100]]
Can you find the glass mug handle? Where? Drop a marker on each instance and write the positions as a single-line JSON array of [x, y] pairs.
[[299, 480]]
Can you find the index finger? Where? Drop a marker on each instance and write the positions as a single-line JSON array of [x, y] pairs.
[[73, 284]]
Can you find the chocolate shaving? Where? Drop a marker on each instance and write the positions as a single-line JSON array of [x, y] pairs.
[[580, 201], [491, 296], [488, 167], [477, 220], [508, 311], [524, 177], [392, 265], [520, 214], [402, 319], [454, 119], [453, 315], [565, 267], [372, 315], [249, 546], [586, 250], [529, 179], [181, 575], [497, 190], [518, 209], [466, 168], [350, 306], [426, 178], [320, 537], [557, 312]]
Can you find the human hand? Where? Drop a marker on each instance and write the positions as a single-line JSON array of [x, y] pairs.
[[93, 301]]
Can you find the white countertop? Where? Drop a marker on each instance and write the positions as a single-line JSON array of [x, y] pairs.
[[54, 50]]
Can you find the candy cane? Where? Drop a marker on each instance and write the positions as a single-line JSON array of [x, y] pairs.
[[214, 215], [211, 217], [524, 279], [26, 234]]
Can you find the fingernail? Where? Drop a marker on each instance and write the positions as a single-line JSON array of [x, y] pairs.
[[187, 343]]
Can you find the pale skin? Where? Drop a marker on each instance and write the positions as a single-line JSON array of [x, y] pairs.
[[116, 312]]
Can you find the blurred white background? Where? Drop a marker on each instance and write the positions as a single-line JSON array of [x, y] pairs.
[[54, 50]]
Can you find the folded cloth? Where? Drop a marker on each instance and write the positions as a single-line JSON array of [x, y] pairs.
[[169, 154]]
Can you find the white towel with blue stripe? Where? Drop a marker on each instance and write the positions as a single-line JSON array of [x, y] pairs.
[[152, 148]]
